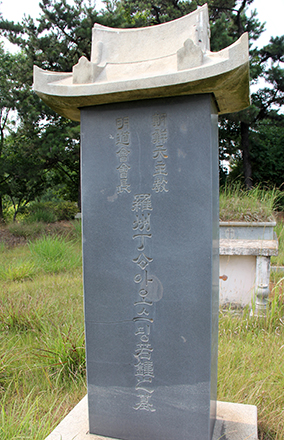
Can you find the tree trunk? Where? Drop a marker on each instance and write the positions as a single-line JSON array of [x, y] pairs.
[[1, 209], [246, 155]]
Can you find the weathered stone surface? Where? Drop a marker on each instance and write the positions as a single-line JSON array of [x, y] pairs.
[[189, 55], [247, 230], [85, 72], [243, 245], [150, 276], [234, 422], [249, 247], [143, 63], [239, 287]]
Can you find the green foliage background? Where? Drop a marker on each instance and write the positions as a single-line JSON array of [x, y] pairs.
[[40, 154]]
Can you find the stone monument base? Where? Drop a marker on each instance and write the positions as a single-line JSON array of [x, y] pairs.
[[234, 422]]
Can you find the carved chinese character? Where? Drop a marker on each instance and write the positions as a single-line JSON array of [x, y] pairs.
[[159, 136], [123, 169], [160, 168], [143, 351], [123, 138], [144, 403], [142, 222], [122, 123], [123, 154], [142, 202], [160, 153], [142, 237], [160, 184], [123, 187], [159, 119]]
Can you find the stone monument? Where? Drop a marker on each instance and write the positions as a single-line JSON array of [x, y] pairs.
[[148, 105]]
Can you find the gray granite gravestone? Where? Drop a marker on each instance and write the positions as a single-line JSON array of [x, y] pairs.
[[148, 105], [150, 234]]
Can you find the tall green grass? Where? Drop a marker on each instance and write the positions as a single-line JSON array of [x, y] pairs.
[[47, 254], [250, 371], [255, 205], [42, 355], [279, 259], [54, 254]]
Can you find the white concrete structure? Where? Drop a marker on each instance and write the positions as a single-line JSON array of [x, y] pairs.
[[144, 63], [245, 251]]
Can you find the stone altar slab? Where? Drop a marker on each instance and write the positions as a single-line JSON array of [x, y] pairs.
[[150, 250], [234, 421]]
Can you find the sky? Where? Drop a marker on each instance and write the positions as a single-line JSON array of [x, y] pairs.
[[272, 12]]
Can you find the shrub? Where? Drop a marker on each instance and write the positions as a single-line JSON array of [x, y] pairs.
[[41, 215], [50, 212]]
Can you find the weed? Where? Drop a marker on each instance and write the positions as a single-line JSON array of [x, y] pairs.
[[64, 356], [256, 205], [18, 270], [42, 355], [26, 230], [279, 259], [54, 254], [9, 357], [41, 215], [20, 416], [50, 211], [77, 229], [251, 353], [38, 390], [21, 315]]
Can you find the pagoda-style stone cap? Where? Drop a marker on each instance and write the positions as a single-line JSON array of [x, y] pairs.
[[169, 59]]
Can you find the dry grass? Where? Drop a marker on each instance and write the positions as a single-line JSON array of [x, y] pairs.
[[256, 205], [42, 361]]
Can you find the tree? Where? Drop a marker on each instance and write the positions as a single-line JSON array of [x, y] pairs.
[[266, 153], [228, 21], [22, 169], [9, 99], [60, 37], [265, 63], [63, 34]]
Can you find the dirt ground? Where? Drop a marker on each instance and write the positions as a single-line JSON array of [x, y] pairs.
[[10, 239]]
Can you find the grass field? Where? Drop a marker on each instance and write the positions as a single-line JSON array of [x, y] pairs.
[[42, 357]]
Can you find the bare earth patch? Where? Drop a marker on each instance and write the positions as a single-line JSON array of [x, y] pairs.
[[10, 239]]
